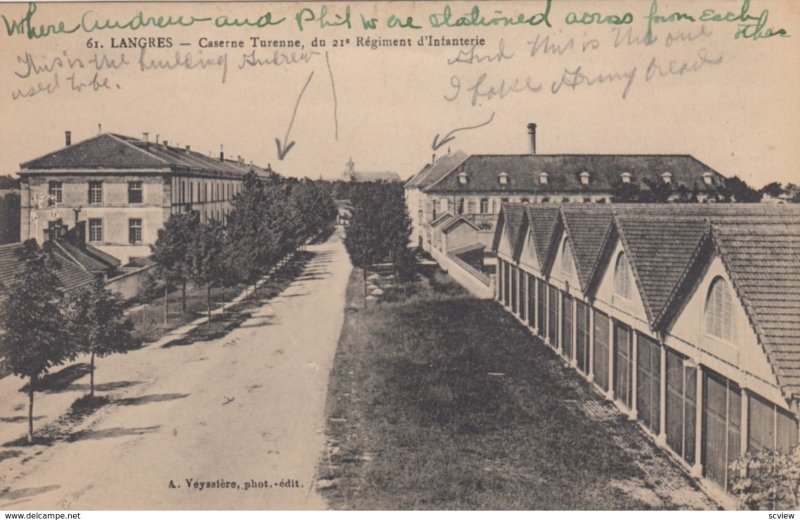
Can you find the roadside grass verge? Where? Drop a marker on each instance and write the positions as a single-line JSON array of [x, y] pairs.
[[443, 401]]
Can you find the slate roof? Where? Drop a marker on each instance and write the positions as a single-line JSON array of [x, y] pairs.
[[588, 228], [432, 173], [453, 222], [514, 214], [69, 273], [763, 260], [88, 257], [564, 172], [660, 251], [542, 221], [114, 151], [443, 218]]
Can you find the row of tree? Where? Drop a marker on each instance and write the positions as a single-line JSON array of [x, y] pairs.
[[44, 327], [270, 218], [380, 229], [734, 190]]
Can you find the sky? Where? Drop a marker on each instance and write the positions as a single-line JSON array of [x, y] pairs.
[[696, 89]]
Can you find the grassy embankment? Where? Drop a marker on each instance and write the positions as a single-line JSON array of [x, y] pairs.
[[442, 401]]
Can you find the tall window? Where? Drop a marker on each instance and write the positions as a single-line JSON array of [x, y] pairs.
[[566, 259], [484, 205], [719, 320], [460, 206], [622, 279], [95, 192], [134, 192], [54, 189], [435, 209], [95, 230], [470, 206], [135, 231]]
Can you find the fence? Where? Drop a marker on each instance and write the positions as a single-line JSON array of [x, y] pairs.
[[128, 284]]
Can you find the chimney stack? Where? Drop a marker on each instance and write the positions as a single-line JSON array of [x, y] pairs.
[[221, 154], [188, 148], [68, 138], [532, 134], [166, 143], [146, 136]]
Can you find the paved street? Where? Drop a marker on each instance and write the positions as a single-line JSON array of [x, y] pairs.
[[242, 409]]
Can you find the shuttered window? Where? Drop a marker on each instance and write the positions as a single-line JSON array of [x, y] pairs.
[[622, 364], [622, 279], [648, 383], [600, 368], [722, 421], [531, 301], [770, 427], [681, 406], [719, 320], [566, 323], [582, 336], [552, 308], [541, 307]]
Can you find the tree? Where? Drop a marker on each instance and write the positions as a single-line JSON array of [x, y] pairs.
[[206, 258], [171, 248], [624, 191], [96, 324], [364, 239], [773, 189], [767, 479], [658, 191], [34, 340], [737, 190]]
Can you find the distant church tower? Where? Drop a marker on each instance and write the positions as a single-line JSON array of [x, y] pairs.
[[350, 170]]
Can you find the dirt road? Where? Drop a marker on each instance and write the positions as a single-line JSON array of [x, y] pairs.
[[205, 425]]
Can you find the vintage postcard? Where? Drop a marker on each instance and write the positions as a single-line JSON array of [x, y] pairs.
[[461, 255]]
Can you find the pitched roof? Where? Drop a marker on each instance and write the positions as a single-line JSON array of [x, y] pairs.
[[564, 172], [763, 260], [443, 218], [459, 220], [542, 221], [432, 173], [88, 256], [661, 250], [514, 214], [69, 273], [114, 151], [588, 228]]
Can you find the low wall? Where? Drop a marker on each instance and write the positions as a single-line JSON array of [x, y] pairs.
[[477, 283], [128, 284]]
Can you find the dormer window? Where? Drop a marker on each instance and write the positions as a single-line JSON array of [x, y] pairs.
[[502, 178], [666, 177], [462, 178], [585, 178], [626, 177], [708, 178], [543, 178]]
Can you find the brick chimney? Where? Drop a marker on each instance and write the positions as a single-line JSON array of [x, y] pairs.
[[532, 134], [68, 138], [221, 154]]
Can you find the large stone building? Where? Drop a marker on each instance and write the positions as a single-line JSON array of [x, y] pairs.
[[687, 317], [124, 189], [477, 185]]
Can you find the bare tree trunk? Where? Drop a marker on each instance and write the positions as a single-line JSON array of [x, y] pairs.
[[91, 375], [31, 386], [208, 301], [166, 300], [183, 300]]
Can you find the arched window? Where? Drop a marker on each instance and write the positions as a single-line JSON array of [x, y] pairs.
[[566, 259], [719, 311], [622, 279]]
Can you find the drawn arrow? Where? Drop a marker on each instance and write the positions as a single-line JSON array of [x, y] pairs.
[[285, 146], [451, 134]]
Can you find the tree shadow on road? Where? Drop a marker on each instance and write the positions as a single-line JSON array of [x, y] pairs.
[[147, 399], [61, 380]]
